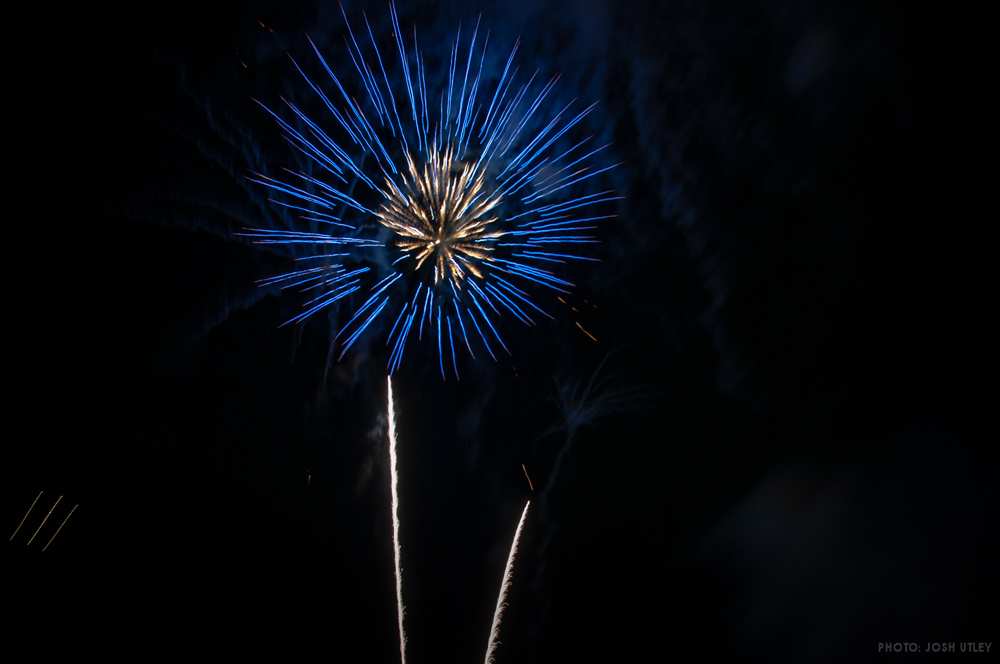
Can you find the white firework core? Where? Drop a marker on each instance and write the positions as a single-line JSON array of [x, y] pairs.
[[441, 214]]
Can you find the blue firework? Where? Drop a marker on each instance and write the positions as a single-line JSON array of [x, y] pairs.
[[435, 207]]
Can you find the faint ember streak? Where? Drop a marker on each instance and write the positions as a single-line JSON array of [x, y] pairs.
[[504, 588], [60, 527], [592, 337], [530, 485], [45, 520], [394, 481], [25, 517]]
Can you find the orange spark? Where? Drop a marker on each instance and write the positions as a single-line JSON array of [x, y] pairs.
[[592, 337], [59, 529], [25, 517], [530, 485]]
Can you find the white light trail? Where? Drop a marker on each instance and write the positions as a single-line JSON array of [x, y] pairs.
[[394, 481], [504, 588]]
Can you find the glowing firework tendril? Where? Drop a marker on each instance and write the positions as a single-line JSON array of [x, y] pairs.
[[394, 482], [508, 573], [483, 194]]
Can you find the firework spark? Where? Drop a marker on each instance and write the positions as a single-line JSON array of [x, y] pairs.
[[483, 194], [45, 520], [504, 588], [394, 482], [59, 529], [25, 517]]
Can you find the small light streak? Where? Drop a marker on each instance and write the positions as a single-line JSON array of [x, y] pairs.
[[45, 520], [530, 485], [59, 529], [591, 336], [25, 517]]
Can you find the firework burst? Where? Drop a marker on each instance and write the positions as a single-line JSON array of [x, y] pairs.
[[438, 206]]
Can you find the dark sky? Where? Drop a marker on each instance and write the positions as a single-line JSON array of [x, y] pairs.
[[775, 463]]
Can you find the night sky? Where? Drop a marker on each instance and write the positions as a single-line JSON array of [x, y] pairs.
[[775, 462]]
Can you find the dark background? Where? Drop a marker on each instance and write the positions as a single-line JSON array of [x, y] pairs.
[[775, 461]]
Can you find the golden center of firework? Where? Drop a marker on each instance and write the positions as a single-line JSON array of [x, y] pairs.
[[442, 215]]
